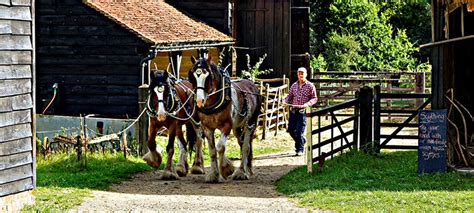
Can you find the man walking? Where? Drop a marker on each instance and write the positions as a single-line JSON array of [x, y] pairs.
[[301, 95]]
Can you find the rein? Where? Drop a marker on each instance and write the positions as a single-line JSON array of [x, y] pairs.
[[174, 98]]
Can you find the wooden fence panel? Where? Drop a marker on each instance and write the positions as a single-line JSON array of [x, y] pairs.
[[275, 113]]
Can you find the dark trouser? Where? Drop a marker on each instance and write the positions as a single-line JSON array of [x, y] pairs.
[[296, 128]]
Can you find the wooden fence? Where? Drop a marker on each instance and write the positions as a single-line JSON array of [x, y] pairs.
[[337, 87], [81, 143], [274, 113]]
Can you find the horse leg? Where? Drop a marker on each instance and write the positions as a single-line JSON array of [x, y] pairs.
[[198, 165], [168, 173], [213, 176], [245, 170], [182, 167], [152, 158], [225, 166]]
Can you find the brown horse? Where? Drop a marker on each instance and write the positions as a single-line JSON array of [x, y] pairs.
[[226, 106], [170, 105]]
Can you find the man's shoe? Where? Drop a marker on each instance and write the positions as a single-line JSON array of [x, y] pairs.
[[299, 153]]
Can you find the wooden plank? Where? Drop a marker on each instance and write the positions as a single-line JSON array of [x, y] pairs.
[[15, 57], [15, 160], [81, 69], [15, 13], [18, 102], [15, 132], [103, 138], [15, 42], [14, 187], [130, 50], [286, 42], [85, 81], [14, 87], [15, 71], [5, 2], [46, 9], [15, 117], [15, 27], [15, 146], [89, 59], [17, 173], [21, 2]]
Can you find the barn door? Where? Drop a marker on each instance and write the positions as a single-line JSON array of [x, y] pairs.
[[263, 27], [299, 37]]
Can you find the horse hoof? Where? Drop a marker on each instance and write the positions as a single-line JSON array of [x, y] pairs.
[[153, 160], [214, 178], [239, 175], [167, 175], [227, 169], [181, 170], [197, 170]]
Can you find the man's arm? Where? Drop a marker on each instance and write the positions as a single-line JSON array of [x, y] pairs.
[[289, 98], [313, 97]]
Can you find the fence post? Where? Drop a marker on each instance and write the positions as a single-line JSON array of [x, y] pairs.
[[365, 107], [356, 121], [45, 147], [143, 121], [309, 143], [419, 87], [377, 117], [125, 144], [317, 84]]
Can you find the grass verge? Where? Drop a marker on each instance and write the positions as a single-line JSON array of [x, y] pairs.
[[389, 182], [63, 183]]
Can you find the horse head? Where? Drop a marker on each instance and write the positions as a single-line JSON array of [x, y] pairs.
[[160, 88], [202, 78]]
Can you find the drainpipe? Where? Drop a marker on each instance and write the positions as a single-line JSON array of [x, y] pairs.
[[144, 63], [141, 130]]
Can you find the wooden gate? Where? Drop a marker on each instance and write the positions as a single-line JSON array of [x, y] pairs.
[[408, 114], [275, 113], [356, 111]]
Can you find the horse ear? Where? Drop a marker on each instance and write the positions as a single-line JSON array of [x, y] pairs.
[[152, 76], [193, 60]]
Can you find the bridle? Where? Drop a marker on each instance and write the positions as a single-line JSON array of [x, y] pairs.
[[223, 92]]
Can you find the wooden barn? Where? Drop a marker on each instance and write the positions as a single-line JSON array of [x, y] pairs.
[[452, 53], [279, 29], [94, 49], [17, 73]]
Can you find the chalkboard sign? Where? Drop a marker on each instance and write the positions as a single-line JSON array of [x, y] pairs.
[[432, 141]]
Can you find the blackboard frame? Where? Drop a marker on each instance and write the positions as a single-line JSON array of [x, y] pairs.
[[432, 140]]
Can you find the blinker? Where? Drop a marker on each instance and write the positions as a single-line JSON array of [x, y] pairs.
[[161, 89]]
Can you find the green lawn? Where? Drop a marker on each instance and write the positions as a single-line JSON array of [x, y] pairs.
[[62, 182], [388, 182]]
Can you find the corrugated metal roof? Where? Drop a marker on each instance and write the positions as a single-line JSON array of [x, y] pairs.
[[159, 23]]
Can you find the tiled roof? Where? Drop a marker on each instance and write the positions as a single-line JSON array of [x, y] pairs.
[[159, 23]]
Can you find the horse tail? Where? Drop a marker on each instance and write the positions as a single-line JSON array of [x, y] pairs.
[[191, 137], [254, 121]]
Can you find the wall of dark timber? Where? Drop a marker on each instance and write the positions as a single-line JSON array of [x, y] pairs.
[[94, 60], [212, 12]]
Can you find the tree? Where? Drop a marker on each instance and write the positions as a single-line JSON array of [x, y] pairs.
[[382, 46]]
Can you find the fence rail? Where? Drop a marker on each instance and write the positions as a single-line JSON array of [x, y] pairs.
[[338, 143], [409, 115], [275, 113], [335, 87]]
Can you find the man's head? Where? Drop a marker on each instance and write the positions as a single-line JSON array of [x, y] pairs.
[[302, 74]]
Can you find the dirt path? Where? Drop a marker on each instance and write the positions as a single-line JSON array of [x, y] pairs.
[[145, 192]]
